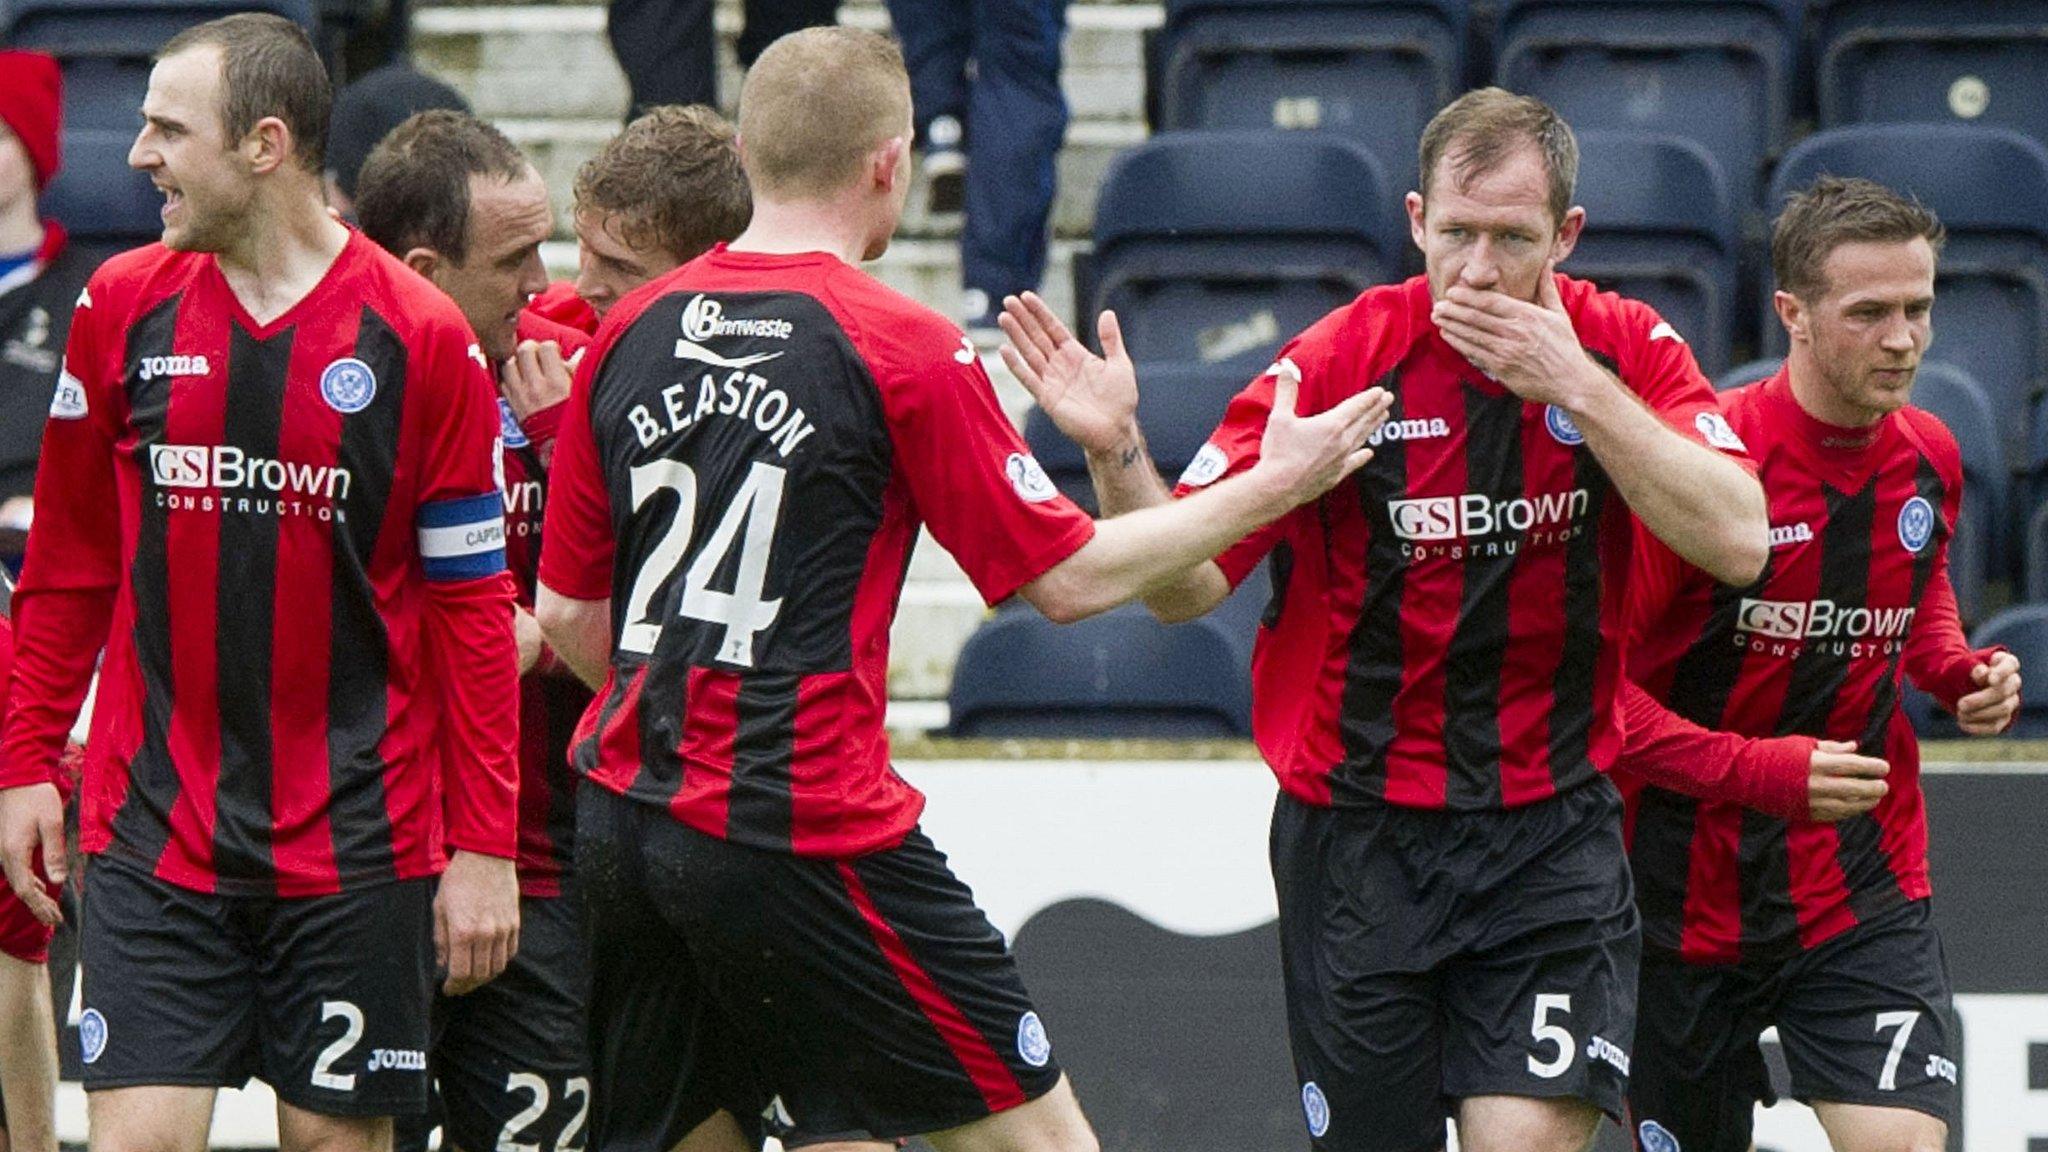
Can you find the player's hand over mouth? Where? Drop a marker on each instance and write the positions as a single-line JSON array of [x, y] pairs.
[[1531, 349], [1093, 399], [1302, 457], [1842, 784], [476, 920]]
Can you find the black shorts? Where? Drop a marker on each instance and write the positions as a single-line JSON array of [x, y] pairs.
[[324, 998], [1863, 1019], [507, 1060], [1431, 956], [877, 1001]]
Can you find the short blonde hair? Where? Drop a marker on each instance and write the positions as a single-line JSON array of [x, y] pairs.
[[815, 105]]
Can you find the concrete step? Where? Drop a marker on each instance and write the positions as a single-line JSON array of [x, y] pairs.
[[523, 60]]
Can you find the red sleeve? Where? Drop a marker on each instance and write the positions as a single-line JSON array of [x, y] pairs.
[[470, 596], [970, 475], [65, 603], [1657, 364], [541, 429], [576, 540], [1664, 749], [1938, 653]]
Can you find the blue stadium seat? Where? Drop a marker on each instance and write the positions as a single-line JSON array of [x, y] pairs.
[[104, 47], [2024, 631], [1373, 71], [1717, 71], [1748, 373], [1978, 548], [1179, 405], [1990, 188], [1660, 227], [1908, 61], [2036, 562], [1120, 674], [1214, 247]]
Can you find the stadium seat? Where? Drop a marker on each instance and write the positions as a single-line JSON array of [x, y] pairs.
[[1908, 61], [1214, 247], [1990, 188], [1660, 227], [105, 49], [1373, 71], [2024, 631], [2036, 561], [1118, 675], [1717, 71], [1978, 547], [1179, 405], [1748, 373]]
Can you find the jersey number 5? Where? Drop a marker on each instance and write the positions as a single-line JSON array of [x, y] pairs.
[[749, 522]]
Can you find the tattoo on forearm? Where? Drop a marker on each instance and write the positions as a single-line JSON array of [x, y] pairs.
[[1132, 453]]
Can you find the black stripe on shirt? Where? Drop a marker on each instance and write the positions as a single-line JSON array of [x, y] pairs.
[[1472, 660], [142, 825], [1372, 677], [760, 812]]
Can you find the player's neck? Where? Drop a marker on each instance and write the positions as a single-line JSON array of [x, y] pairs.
[[788, 227], [21, 230], [287, 247]]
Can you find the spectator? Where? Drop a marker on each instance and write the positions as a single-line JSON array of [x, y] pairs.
[[40, 278], [669, 48], [1003, 124], [366, 111]]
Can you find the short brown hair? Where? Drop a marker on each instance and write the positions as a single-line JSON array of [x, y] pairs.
[[1837, 211], [671, 181], [268, 68], [816, 104], [413, 191], [1485, 126]]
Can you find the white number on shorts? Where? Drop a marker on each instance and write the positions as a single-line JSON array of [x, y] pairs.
[[571, 1139], [756, 509], [1888, 1080], [1547, 1033], [508, 1140], [324, 1075]]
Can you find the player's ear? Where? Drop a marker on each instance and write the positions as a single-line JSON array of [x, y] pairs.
[[1792, 313], [1413, 202], [1568, 234], [888, 163], [268, 145], [424, 261]]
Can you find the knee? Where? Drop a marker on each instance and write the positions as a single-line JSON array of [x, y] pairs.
[[1513, 1124]]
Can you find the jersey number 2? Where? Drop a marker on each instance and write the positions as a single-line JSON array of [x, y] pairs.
[[748, 523]]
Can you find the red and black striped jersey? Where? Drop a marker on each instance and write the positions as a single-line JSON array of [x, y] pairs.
[[551, 699], [1446, 626], [289, 537], [1856, 591], [750, 450]]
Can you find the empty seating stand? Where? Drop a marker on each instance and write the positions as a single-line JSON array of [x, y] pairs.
[[1374, 71], [1958, 61], [1715, 71], [1179, 405], [1214, 247], [1660, 227], [2024, 631]]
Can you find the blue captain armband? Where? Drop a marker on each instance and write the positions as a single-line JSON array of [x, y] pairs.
[[463, 539]]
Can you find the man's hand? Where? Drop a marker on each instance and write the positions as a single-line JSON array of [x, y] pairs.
[[1302, 457], [1093, 399], [536, 377], [476, 920], [1842, 784], [32, 829], [1531, 349], [1987, 711], [526, 633]]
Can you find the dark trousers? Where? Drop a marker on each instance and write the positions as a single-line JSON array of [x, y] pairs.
[[1014, 114], [669, 49]]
